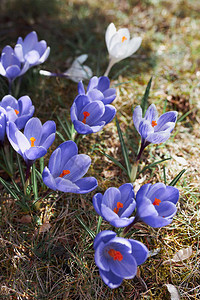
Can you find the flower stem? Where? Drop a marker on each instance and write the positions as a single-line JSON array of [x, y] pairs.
[[110, 65], [27, 179], [10, 87]]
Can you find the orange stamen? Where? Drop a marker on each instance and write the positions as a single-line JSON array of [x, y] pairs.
[[86, 114], [157, 202], [153, 123], [124, 39], [119, 205], [116, 255], [32, 139], [64, 172], [16, 111]]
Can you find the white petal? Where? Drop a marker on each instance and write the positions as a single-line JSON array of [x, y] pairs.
[[110, 31]]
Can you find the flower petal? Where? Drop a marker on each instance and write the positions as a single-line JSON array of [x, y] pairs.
[[109, 278], [78, 165], [97, 199], [139, 251], [86, 185], [137, 117]]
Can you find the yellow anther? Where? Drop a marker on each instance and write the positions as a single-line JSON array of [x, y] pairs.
[[124, 39], [32, 139]]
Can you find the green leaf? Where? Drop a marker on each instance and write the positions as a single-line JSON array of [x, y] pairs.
[[65, 128], [154, 164], [144, 101], [124, 149], [99, 224], [184, 116], [113, 160], [87, 229], [176, 179], [9, 189]]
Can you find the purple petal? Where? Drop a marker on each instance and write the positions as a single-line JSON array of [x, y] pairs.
[[139, 251], [96, 110], [170, 116], [109, 96], [126, 268], [145, 129], [108, 214], [30, 41], [122, 222], [78, 165], [156, 222], [166, 209], [100, 259], [158, 137], [86, 185], [103, 84], [105, 236], [33, 128], [81, 90], [92, 83], [35, 152], [44, 57], [151, 113], [82, 128], [141, 194], [48, 130], [79, 102], [11, 130], [12, 72], [19, 52], [110, 279], [110, 198], [97, 199], [32, 57], [9, 100], [137, 117], [110, 112], [66, 186], [48, 179], [95, 95]]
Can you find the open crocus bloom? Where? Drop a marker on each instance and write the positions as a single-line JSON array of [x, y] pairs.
[[18, 111], [154, 129], [116, 205], [2, 124], [66, 168], [35, 141], [119, 44], [117, 258], [90, 115], [156, 204], [98, 88], [10, 65], [30, 50]]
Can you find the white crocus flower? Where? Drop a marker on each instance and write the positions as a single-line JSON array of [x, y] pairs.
[[76, 72], [120, 45]]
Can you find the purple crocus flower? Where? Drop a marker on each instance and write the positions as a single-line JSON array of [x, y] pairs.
[[10, 66], [66, 168], [156, 204], [2, 124], [18, 111], [30, 50], [116, 205], [35, 141], [153, 129], [98, 89], [89, 116], [117, 257]]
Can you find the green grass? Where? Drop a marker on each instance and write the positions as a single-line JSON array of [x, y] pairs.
[[59, 263]]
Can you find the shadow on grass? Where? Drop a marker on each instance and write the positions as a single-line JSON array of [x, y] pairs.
[[71, 30]]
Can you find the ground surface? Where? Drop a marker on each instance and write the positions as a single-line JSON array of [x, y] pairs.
[[49, 254]]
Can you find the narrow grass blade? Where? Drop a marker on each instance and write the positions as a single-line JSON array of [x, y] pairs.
[[99, 224], [67, 132], [8, 188], [60, 136], [176, 179], [114, 160], [124, 149], [34, 181], [184, 116], [88, 230], [164, 175], [153, 164], [21, 172], [144, 101]]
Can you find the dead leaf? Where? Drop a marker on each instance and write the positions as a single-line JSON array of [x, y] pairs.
[[180, 160], [181, 255], [173, 292], [44, 227]]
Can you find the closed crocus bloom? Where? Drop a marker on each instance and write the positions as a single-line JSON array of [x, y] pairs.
[[18, 111], [66, 168], [10, 65], [35, 141], [116, 205], [156, 204], [31, 50], [98, 88], [119, 44], [89, 116], [2, 124], [153, 129], [117, 258]]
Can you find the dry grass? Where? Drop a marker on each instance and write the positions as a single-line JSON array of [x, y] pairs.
[[49, 255]]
